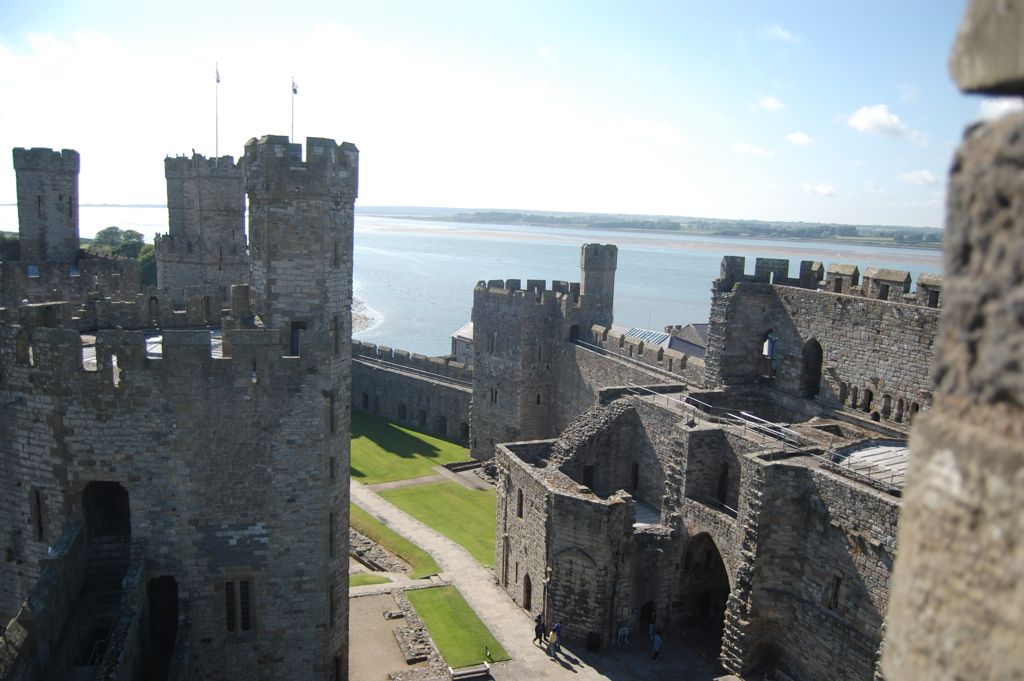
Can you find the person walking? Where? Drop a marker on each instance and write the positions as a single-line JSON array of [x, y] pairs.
[[555, 640], [656, 646], [539, 630]]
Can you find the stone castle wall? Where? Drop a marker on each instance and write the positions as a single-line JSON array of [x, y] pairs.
[[875, 355], [427, 393], [235, 439], [816, 577], [117, 278]]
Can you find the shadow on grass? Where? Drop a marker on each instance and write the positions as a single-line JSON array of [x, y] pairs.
[[392, 438]]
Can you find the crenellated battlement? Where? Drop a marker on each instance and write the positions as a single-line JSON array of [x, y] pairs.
[[44, 359], [274, 165], [198, 165], [878, 283], [46, 160], [618, 343], [536, 291], [443, 366]]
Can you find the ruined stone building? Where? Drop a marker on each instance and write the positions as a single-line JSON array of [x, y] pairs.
[[751, 498], [175, 504], [46, 262]]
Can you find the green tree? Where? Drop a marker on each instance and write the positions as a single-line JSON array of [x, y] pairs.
[[147, 265]]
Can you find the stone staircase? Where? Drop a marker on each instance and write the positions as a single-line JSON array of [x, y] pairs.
[[109, 556]]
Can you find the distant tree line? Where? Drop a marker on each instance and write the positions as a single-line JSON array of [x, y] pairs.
[[709, 226], [127, 243]]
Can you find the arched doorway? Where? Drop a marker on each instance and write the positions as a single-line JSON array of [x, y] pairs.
[[704, 592], [527, 593], [810, 369], [107, 512], [163, 627]]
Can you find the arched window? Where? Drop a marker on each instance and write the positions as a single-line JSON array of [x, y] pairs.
[[810, 369]]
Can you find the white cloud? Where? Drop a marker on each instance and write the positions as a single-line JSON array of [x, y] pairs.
[[919, 177], [991, 108], [858, 163], [777, 32], [820, 189], [751, 150], [770, 103], [800, 138], [877, 120]]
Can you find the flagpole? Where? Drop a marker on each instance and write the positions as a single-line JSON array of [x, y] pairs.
[[293, 110], [216, 114]]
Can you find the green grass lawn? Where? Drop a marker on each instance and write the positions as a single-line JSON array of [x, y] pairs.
[[364, 578], [455, 628], [383, 451], [464, 515], [421, 562]]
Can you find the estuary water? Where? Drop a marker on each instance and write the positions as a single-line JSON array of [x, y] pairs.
[[416, 277]]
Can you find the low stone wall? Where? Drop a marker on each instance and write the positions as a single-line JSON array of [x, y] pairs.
[[30, 640], [436, 402]]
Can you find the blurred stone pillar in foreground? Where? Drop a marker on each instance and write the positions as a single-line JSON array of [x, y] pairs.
[[957, 603]]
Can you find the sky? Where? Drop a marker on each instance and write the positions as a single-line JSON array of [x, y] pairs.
[[805, 111]]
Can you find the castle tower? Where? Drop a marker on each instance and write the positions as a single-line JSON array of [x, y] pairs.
[[47, 183], [597, 280], [519, 337], [205, 243], [301, 216]]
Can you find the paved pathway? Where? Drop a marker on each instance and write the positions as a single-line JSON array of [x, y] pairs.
[[513, 627]]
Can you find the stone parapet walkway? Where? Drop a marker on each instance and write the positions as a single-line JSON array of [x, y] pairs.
[[513, 627]]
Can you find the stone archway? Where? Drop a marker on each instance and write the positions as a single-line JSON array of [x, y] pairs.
[[704, 592], [106, 508], [810, 369]]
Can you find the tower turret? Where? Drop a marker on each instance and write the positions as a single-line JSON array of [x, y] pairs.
[[47, 183], [597, 280], [301, 216]]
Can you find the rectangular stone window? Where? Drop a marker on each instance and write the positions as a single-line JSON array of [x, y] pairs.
[[36, 511], [494, 395], [833, 595], [332, 529], [238, 605]]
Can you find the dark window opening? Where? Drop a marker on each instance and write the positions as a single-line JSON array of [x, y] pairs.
[[332, 424], [332, 528], [230, 605], [574, 332], [295, 329], [883, 292], [833, 597], [519, 504], [538, 398], [107, 511], [933, 298], [769, 354], [723, 485], [527, 593], [868, 397], [810, 372], [245, 604], [37, 515]]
